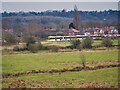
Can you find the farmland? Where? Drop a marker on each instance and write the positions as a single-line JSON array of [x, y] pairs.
[[67, 80], [67, 60], [64, 44], [97, 42], [64, 68]]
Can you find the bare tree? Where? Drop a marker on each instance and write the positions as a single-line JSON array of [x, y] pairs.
[[62, 25], [51, 26], [6, 23], [76, 20], [18, 28], [33, 28], [83, 60]]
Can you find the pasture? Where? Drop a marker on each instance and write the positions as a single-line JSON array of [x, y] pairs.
[[95, 42], [18, 63], [63, 44], [104, 77], [47, 61]]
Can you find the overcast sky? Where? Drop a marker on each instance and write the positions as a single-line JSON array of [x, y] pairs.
[[43, 6], [60, 0]]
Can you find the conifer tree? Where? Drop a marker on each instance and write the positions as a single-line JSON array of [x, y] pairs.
[[76, 20]]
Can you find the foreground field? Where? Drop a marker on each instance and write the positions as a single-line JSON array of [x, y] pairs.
[[19, 63], [47, 61], [104, 78]]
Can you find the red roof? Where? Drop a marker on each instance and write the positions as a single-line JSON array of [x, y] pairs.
[[97, 28], [74, 30]]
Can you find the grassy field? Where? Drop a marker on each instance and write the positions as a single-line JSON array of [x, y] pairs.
[[7, 47], [115, 42], [67, 80], [64, 44], [99, 42], [58, 44], [48, 61], [18, 63]]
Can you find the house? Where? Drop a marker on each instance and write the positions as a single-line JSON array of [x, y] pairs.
[[73, 31], [9, 30], [107, 31]]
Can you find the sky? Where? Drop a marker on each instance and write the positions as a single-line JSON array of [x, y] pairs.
[[12, 6], [60, 0]]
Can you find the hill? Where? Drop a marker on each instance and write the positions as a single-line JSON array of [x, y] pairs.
[[58, 16]]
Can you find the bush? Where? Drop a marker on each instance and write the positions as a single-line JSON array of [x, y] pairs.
[[82, 56], [33, 48], [55, 49], [40, 46], [16, 48], [107, 42], [79, 47], [67, 46], [45, 48], [75, 44], [23, 48], [29, 41], [10, 38], [87, 43]]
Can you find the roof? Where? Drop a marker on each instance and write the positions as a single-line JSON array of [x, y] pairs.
[[97, 28], [74, 30]]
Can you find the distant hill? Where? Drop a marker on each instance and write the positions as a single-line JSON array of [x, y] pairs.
[[61, 16], [39, 19]]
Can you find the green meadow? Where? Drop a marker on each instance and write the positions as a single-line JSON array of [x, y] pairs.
[[115, 42], [47, 61], [66, 80], [64, 44], [95, 42], [20, 63]]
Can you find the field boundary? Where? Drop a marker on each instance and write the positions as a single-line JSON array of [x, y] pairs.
[[76, 69]]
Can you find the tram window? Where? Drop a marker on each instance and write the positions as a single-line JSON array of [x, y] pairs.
[[49, 38], [52, 38]]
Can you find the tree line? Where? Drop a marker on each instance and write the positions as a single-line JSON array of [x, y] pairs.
[[106, 15]]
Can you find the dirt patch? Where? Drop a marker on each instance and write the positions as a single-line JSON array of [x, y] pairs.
[[63, 70], [98, 46], [96, 63], [92, 84], [103, 62], [24, 84], [95, 84], [54, 46]]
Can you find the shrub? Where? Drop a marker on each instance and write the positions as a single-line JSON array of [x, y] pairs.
[[75, 44], [10, 38], [45, 48], [82, 56], [67, 46], [87, 43], [16, 48], [40, 46], [55, 49], [33, 48], [29, 41], [23, 48], [79, 47], [7, 51], [107, 42]]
